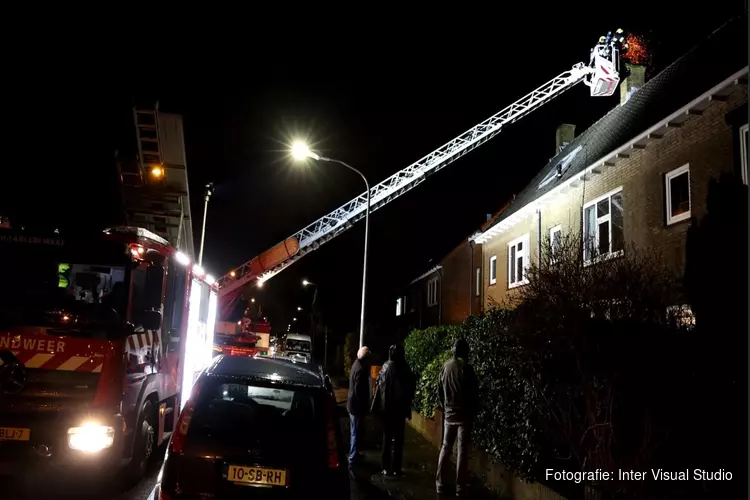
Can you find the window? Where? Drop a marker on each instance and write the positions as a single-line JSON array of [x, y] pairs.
[[555, 241], [478, 284], [743, 153], [432, 286], [518, 261], [678, 194], [174, 306], [399, 306], [603, 230], [493, 269]]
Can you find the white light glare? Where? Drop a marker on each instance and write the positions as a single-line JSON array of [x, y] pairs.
[[182, 258], [198, 270], [91, 437], [300, 151], [210, 279]]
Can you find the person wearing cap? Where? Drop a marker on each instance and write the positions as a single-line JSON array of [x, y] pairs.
[[358, 402], [393, 396], [458, 398]]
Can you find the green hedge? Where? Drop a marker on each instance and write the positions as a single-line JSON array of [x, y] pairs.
[[588, 371]]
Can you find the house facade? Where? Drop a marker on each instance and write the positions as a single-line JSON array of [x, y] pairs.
[[447, 293], [639, 174]]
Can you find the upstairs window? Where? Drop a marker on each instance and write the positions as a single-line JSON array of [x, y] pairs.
[[555, 241], [518, 261], [399, 306], [603, 227], [677, 190], [493, 269], [478, 283], [432, 287]]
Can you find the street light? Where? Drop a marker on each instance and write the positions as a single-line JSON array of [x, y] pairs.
[[299, 308], [301, 151], [207, 196]]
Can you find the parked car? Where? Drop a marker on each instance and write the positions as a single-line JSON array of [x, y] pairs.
[[257, 426]]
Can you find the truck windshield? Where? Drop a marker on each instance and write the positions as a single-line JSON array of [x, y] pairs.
[[298, 345], [78, 287]]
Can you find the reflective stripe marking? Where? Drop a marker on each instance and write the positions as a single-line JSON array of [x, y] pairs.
[[73, 363], [38, 360]]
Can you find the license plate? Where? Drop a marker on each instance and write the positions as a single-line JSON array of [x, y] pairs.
[[14, 434], [256, 475]]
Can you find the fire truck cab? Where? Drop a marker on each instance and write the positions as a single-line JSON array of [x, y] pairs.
[[101, 338]]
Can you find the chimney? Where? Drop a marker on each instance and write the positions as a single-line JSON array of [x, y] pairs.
[[635, 80], [564, 135]]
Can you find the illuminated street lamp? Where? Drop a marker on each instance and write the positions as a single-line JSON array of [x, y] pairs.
[[301, 151], [299, 308]]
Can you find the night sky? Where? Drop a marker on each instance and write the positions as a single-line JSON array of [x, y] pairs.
[[377, 97]]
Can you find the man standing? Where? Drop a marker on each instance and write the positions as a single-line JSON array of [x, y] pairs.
[[458, 398], [393, 397], [358, 402]]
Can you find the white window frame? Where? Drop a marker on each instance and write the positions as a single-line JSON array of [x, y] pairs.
[[493, 267], [743, 154], [432, 292], [478, 284], [523, 254], [608, 218], [685, 169], [399, 306], [552, 231]]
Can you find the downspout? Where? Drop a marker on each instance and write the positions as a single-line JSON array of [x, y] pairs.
[[539, 236], [471, 274]]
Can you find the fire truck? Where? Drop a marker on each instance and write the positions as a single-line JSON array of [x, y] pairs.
[[103, 333], [601, 74], [100, 335]]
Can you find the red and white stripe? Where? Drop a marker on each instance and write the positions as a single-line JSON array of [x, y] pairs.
[[59, 361], [144, 340]]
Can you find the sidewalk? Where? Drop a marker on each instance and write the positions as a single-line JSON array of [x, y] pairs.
[[420, 465]]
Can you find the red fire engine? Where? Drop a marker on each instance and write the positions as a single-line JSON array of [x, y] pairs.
[[100, 334]]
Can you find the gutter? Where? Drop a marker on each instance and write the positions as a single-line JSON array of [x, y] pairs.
[[608, 161]]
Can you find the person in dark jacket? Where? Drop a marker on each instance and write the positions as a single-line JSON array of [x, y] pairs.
[[392, 401], [358, 402], [458, 398]]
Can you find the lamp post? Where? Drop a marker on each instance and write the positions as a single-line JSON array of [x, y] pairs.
[[313, 326], [300, 151], [207, 196]]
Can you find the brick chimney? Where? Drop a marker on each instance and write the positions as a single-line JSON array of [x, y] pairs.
[[635, 80], [564, 135]]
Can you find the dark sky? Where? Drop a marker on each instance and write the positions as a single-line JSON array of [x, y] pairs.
[[377, 97]]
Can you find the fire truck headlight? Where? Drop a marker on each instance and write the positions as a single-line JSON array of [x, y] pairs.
[[91, 437]]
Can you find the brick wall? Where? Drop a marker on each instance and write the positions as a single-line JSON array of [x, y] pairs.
[[458, 283], [706, 142]]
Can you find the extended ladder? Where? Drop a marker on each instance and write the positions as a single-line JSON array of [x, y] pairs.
[[329, 226]]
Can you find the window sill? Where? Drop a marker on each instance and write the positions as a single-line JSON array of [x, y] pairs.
[[517, 284], [677, 219], [603, 258]]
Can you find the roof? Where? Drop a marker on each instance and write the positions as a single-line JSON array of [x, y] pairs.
[[720, 55], [426, 273], [297, 336], [278, 370]]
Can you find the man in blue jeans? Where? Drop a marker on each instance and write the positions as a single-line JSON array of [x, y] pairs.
[[358, 402]]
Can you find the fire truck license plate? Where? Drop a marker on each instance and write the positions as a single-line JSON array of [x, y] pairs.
[[14, 434], [256, 475]]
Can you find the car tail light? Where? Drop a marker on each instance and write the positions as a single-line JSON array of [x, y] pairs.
[[183, 423], [333, 449]]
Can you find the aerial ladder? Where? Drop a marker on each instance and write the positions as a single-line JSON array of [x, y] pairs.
[[602, 75]]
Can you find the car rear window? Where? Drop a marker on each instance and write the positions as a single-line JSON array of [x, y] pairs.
[[262, 414]]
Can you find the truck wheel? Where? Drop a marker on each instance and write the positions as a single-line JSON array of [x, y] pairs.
[[145, 442]]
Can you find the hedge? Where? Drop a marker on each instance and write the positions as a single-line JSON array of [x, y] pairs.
[[587, 370]]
